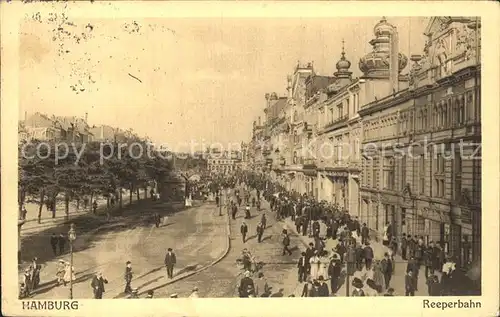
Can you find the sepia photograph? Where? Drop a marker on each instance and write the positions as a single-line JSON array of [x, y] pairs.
[[237, 156]]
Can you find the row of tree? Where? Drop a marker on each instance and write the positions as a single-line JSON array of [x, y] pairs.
[[86, 171]]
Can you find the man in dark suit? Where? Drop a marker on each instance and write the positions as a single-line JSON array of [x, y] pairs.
[[98, 285], [368, 255], [404, 246], [302, 266], [334, 271], [260, 232], [53, 243], [244, 231], [170, 261], [365, 233], [309, 254], [386, 266], [315, 228], [128, 277]]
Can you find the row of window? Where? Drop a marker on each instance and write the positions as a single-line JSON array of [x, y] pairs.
[[394, 175], [451, 111]]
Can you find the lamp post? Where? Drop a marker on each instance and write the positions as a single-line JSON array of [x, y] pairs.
[[72, 238]]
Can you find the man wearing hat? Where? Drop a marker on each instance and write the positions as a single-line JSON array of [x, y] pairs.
[[128, 277], [323, 287], [302, 267], [244, 231], [170, 261], [244, 283], [98, 285], [358, 285], [334, 271]]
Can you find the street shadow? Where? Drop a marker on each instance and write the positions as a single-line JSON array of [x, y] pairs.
[[188, 268], [266, 238], [91, 228]]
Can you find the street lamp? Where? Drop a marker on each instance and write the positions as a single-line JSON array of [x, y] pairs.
[[72, 238]]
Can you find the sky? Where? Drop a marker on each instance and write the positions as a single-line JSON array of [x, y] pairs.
[[180, 80]]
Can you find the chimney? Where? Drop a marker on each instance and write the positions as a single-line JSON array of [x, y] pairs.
[[394, 62], [86, 116]]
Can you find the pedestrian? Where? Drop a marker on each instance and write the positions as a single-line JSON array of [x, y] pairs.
[[286, 243], [427, 261], [247, 212], [413, 267], [94, 206], [69, 273], [409, 284], [62, 243], [170, 261], [323, 287], [378, 277], [316, 228], [386, 268], [404, 246], [245, 282], [261, 287], [433, 286], [243, 231], [98, 285], [263, 220], [27, 282], [260, 232], [234, 210], [305, 225], [334, 271], [53, 243], [194, 293], [302, 267], [61, 267], [368, 255], [358, 287], [314, 263], [35, 277], [365, 233], [298, 223], [308, 290], [128, 277], [309, 254]]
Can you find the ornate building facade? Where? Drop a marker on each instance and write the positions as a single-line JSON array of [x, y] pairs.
[[421, 166]]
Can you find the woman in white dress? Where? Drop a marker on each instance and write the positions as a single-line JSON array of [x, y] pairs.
[[67, 271], [315, 264], [323, 265]]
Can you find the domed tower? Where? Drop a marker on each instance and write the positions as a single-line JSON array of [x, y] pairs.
[[377, 63], [343, 66]]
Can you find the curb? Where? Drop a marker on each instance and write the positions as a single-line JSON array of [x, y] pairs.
[[220, 258]]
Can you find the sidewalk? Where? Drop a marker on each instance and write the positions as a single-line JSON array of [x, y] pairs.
[[397, 280], [32, 226]]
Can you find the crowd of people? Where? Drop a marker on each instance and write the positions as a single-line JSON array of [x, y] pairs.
[[353, 254]]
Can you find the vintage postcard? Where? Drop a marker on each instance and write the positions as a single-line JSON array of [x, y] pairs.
[[200, 158]]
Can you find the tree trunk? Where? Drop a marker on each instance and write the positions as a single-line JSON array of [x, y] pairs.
[[121, 198], [107, 201], [66, 206], [138, 194], [131, 194], [146, 192], [54, 205], [91, 203], [77, 204], [40, 207]]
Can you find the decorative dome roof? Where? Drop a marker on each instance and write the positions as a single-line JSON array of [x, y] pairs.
[[376, 63], [383, 28], [343, 65]]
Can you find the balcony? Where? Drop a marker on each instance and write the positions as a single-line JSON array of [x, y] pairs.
[[335, 122]]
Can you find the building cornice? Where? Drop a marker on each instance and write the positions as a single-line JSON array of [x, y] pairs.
[[408, 94]]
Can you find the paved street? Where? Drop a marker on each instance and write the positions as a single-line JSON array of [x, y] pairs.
[[197, 235], [222, 279]]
